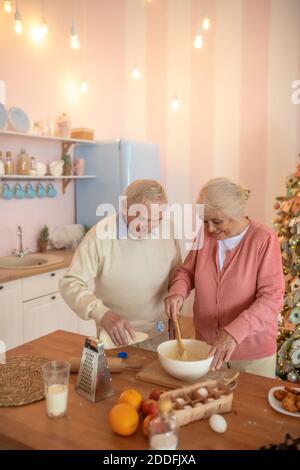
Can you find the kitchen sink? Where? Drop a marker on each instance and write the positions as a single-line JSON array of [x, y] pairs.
[[30, 261]]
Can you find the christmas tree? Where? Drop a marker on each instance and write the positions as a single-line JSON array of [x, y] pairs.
[[287, 224]]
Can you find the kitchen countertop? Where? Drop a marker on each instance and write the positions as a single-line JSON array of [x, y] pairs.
[[251, 423], [7, 275]]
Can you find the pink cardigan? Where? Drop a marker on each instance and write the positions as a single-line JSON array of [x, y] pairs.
[[244, 299]]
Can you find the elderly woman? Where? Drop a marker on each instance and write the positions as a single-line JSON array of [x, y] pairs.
[[131, 268], [238, 281]]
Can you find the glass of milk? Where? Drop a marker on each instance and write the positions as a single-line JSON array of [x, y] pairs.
[[56, 381]]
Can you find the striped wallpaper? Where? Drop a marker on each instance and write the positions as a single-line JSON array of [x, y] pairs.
[[236, 117]]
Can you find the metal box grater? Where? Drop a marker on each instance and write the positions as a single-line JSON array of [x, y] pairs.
[[94, 381]]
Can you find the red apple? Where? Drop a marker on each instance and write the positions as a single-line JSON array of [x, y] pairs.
[[146, 423], [155, 394], [149, 407]]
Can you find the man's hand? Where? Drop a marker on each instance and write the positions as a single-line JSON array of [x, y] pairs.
[[173, 305], [117, 327], [222, 349]]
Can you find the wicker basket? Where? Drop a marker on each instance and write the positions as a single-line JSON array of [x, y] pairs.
[[21, 380]]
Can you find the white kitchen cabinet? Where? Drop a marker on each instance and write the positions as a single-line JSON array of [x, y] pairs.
[[68, 320], [41, 284], [40, 317], [11, 326], [33, 307], [47, 314]]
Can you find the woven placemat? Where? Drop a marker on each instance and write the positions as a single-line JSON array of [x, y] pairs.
[[21, 380]]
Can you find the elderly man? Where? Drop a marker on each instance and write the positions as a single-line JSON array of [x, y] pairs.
[[132, 269]]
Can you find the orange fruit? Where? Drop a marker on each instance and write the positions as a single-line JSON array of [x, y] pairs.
[[132, 397], [123, 419]]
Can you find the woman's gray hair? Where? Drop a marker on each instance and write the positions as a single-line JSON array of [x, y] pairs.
[[224, 195], [142, 191]]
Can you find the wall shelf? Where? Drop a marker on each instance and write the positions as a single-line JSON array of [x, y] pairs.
[[46, 138], [65, 179], [65, 143]]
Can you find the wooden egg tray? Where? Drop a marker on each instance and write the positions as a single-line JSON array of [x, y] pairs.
[[192, 407]]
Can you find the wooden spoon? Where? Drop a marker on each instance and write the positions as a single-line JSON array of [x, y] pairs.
[[182, 354]]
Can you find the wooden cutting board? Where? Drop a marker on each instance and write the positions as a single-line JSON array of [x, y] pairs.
[[154, 373]]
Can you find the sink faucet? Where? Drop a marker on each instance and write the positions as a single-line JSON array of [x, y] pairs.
[[21, 252]]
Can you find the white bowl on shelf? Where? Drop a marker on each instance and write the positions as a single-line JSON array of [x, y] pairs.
[[56, 168], [197, 365], [41, 169]]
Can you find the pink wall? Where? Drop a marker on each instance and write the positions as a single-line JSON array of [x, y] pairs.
[[235, 116]]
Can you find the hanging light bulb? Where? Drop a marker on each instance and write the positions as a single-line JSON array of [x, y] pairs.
[[36, 34], [7, 6], [136, 74], [175, 103], [198, 42], [84, 86], [74, 39], [18, 20], [44, 27], [206, 24]]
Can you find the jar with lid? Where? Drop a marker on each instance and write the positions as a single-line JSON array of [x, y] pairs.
[[2, 167], [163, 430], [23, 166], [8, 164], [33, 167]]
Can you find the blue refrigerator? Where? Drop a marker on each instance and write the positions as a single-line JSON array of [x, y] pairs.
[[115, 164]]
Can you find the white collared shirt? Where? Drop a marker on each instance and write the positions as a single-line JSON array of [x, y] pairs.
[[228, 244]]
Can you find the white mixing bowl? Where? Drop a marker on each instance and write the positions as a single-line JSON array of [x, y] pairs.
[[195, 367]]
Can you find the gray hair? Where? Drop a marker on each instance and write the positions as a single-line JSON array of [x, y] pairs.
[[224, 195], [141, 191]]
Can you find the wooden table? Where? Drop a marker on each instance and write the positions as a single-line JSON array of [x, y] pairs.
[[251, 423]]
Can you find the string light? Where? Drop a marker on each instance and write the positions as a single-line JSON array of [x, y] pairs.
[[18, 20], [43, 27], [136, 74], [84, 86], [206, 24], [175, 103], [7, 6], [198, 42], [74, 39], [36, 34]]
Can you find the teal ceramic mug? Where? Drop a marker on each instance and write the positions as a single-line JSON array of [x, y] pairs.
[[7, 193], [19, 193], [29, 191], [51, 191], [40, 191]]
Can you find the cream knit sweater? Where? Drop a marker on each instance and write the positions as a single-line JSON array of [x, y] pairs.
[[131, 277]]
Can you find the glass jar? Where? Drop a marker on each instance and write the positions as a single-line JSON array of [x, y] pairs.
[[163, 430], [23, 166], [8, 164], [33, 167], [2, 166]]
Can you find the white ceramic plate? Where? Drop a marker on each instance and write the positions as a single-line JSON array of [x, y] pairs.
[[109, 344], [3, 117], [18, 120], [276, 404]]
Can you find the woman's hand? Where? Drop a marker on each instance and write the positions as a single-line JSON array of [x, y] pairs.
[[222, 349], [173, 305], [117, 327]]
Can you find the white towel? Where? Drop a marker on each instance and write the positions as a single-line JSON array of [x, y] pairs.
[[64, 236]]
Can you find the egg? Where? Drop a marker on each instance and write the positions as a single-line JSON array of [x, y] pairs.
[[202, 392], [218, 423]]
